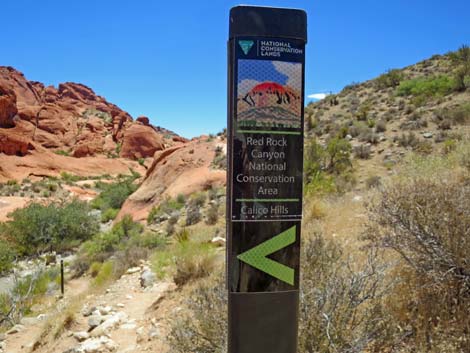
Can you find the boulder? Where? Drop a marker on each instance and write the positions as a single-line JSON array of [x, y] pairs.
[[144, 120], [147, 278], [81, 336], [14, 145], [95, 320], [101, 344], [141, 141], [110, 323]]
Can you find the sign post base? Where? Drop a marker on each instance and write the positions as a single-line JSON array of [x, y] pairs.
[[262, 322]]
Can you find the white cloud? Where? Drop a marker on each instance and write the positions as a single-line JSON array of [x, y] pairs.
[[293, 71], [246, 85], [317, 96]]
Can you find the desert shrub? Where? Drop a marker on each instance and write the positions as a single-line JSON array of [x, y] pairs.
[[203, 328], [220, 159], [113, 195], [341, 309], [105, 274], [369, 136], [167, 207], [408, 140], [95, 268], [362, 151], [184, 260], [373, 182], [363, 112], [381, 126], [424, 147], [461, 61], [148, 240], [62, 153], [324, 165], [58, 225], [426, 88], [391, 78], [69, 178], [194, 261], [113, 252], [102, 245], [212, 213], [25, 292], [131, 256], [193, 215], [7, 256], [414, 121], [109, 214], [425, 220], [456, 115], [182, 236], [449, 146], [358, 129]]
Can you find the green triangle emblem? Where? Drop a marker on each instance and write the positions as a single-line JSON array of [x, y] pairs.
[[256, 257], [246, 45]]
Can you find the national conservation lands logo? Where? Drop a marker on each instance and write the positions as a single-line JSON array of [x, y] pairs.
[[246, 45]]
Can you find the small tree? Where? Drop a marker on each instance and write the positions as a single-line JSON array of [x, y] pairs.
[[38, 228]]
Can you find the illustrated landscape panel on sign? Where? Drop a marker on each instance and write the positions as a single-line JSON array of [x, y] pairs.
[[269, 94]]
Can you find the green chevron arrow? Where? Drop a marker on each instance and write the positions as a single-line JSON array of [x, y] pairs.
[[256, 256]]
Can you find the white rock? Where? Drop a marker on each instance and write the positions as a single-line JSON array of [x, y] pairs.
[[357, 198], [428, 135], [95, 321], [105, 310], [218, 241], [110, 323], [128, 326], [81, 336], [15, 329], [147, 278], [42, 317], [120, 305], [133, 270], [96, 345]]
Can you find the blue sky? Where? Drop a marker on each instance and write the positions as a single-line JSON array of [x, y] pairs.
[[167, 59]]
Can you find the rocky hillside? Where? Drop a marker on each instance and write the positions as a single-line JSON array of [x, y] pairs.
[[423, 107]]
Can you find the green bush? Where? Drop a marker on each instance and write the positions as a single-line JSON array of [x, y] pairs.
[[167, 206], [105, 274], [461, 61], [62, 153], [391, 78], [7, 256], [69, 178], [325, 166], [113, 195], [426, 88], [124, 234], [109, 214], [57, 225]]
